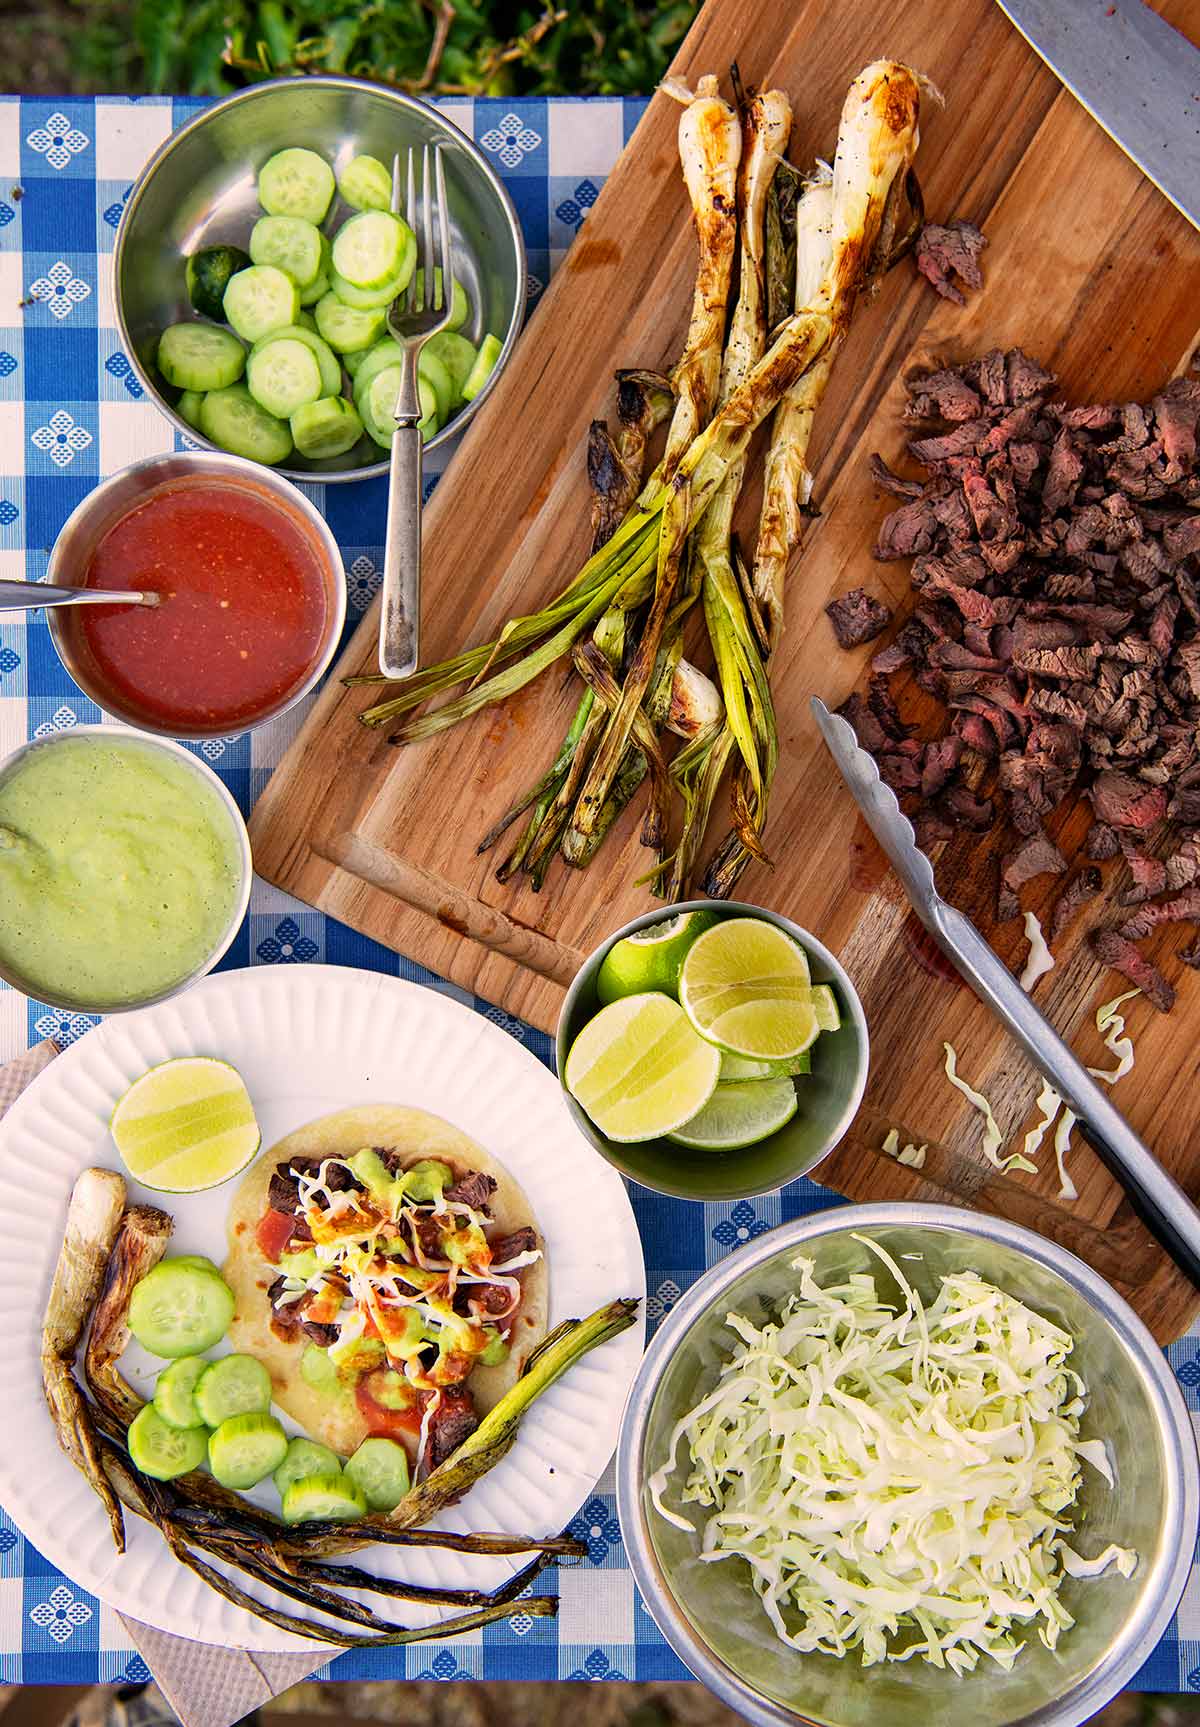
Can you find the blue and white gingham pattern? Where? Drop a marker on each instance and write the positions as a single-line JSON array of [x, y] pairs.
[[70, 411]]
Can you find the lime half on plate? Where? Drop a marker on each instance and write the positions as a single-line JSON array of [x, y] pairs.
[[186, 1125], [745, 987], [739, 1115], [652, 957], [639, 1069]]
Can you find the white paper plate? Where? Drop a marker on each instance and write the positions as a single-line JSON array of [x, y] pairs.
[[310, 1039]]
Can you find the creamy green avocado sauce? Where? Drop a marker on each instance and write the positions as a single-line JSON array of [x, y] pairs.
[[119, 870]]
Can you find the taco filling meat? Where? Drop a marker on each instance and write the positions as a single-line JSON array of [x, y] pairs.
[[397, 1275]]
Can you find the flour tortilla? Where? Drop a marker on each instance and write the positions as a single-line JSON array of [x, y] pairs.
[[336, 1420]]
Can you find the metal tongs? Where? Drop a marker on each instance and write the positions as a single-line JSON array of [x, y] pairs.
[[1155, 1196]]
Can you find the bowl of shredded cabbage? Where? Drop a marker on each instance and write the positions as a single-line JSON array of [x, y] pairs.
[[894, 1461]]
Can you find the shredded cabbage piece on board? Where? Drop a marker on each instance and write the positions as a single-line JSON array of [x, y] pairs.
[[993, 1139], [1111, 1026], [1040, 959], [899, 1483], [912, 1155]]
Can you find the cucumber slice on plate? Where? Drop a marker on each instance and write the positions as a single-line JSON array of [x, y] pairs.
[[305, 1457], [380, 1468], [291, 244], [235, 1385], [296, 183], [369, 250], [180, 1309], [372, 361], [456, 354], [282, 376], [376, 404], [435, 374], [174, 1392], [233, 419], [245, 1449], [460, 306], [489, 353], [323, 1498], [200, 357], [348, 328], [365, 184], [188, 407], [162, 1451], [327, 360], [319, 287], [370, 299], [328, 427], [259, 300], [208, 272]]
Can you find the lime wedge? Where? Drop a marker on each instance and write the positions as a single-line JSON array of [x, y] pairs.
[[735, 1068], [651, 958], [186, 1125], [639, 1070], [825, 1007], [739, 1115], [745, 987]]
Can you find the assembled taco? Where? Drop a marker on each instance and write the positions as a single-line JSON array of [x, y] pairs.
[[390, 1277]]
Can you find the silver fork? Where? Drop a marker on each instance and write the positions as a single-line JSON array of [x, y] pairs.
[[412, 318]]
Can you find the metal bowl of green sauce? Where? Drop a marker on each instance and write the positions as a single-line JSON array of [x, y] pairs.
[[125, 869]]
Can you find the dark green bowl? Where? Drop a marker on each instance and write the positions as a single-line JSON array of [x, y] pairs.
[[829, 1095]]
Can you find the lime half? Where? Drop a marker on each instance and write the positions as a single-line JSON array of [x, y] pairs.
[[186, 1125], [825, 1007], [739, 1115], [745, 987], [651, 958], [639, 1069], [735, 1068]]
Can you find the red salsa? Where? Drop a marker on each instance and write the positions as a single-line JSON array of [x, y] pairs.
[[243, 609]]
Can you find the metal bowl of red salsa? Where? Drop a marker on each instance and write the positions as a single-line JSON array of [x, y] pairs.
[[251, 585]]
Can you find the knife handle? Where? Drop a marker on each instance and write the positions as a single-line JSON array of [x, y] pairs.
[[1155, 1196]]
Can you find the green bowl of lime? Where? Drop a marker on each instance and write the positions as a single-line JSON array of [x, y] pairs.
[[712, 1050]]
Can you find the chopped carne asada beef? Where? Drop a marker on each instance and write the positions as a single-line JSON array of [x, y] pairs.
[[506, 1247], [857, 618], [1081, 888], [284, 1191], [1184, 908], [1115, 950], [947, 250], [452, 1421], [474, 1189]]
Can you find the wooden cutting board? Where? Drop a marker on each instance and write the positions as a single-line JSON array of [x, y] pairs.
[[1090, 269]]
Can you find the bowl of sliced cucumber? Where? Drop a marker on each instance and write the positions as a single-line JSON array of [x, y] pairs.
[[257, 257]]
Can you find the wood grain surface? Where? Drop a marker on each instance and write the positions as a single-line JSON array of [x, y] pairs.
[[1093, 272]]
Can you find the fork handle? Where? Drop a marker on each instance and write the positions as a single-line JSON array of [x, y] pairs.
[[400, 618]]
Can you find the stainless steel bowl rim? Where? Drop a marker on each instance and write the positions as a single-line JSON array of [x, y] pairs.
[[1181, 1467], [217, 463], [658, 914], [122, 732], [454, 427]]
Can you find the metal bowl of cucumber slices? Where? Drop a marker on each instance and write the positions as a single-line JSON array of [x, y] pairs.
[[258, 254]]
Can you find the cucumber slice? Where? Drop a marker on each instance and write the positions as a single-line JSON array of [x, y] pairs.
[[304, 321], [354, 360], [318, 288], [291, 244], [207, 273], [368, 299], [188, 407], [456, 354], [324, 1498], [346, 328], [490, 350], [180, 1309], [162, 1451], [200, 1260], [369, 250], [200, 357], [173, 1392], [235, 1385], [437, 377], [233, 419], [365, 184], [328, 427], [245, 1449], [296, 183], [259, 300], [305, 1457], [376, 404], [282, 376], [460, 306], [380, 1469], [327, 360], [372, 362]]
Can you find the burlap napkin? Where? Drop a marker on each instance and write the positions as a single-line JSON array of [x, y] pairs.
[[205, 1685]]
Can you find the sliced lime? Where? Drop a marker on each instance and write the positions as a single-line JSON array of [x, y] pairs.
[[651, 958], [735, 1068], [186, 1125], [745, 987], [739, 1115], [825, 1007], [639, 1069]]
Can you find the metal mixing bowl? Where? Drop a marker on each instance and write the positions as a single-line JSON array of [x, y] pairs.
[[710, 1614], [113, 499], [199, 190], [829, 1095]]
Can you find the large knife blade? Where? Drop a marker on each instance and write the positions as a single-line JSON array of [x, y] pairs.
[[1156, 1197], [1134, 74]]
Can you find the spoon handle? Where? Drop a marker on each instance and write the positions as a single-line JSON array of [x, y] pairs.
[[26, 596]]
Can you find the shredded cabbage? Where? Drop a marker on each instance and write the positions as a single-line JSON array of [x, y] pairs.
[[1040, 959], [1111, 1025], [993, 1139], [912, 1155], [899, 1483]]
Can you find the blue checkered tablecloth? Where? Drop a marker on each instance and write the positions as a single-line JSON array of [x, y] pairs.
[[71, 410]]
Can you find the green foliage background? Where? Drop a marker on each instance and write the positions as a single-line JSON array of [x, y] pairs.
[[209, 47]]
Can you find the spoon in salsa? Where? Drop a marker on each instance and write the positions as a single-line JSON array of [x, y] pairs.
[[28, 596]]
